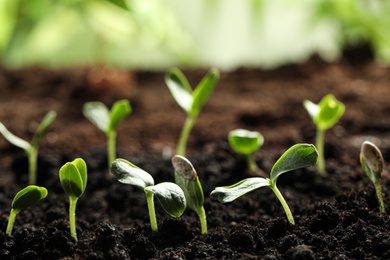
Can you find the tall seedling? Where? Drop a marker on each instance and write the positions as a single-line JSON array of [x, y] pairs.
[[107, 121], [191, 101], [31, 149]]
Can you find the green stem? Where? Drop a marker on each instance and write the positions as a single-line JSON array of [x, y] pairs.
[[185, 132], [32, 165], [284, 203], [378, 190], [202, 218], [251, 163], [152, 213], [72, 216], [111, 148], [11, 221], [320, 148]]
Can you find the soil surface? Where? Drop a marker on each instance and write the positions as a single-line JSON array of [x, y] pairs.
[[336, 215]]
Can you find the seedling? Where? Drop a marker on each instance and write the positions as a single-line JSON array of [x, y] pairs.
[[371, 160], [23, 199], [107, 121], [73, 177], [325, 115], [187, 179], [30, 149], [191, 101], [246, 143], [298, 156], [170, 195]]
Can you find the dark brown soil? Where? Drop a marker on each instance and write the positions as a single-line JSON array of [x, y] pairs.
[[336, 215]]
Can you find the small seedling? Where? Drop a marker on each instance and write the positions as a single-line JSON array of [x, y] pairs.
[[372, 163], [246, 143], [325, 115], [23, 199], [169, 194], [107, 121], [30, 149], [188, 180], [73, 177], [298, 156], [191, 101]]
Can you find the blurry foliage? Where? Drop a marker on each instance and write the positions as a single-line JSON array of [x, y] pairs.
[[160, 34]]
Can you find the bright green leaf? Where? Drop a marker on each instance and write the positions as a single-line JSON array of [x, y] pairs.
[[118, 112], [128, 173], [245, 142], [180, 89], [28, 196], [98, 114], [82, 168], [72, 180], [170, 196], [330, 112]]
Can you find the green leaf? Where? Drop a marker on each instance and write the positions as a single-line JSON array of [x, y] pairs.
[[73, 177], [297, 156], [229, 193], [128, 173], [119, 111], [13, 139], [98, 114], [42, 129], [203, 91], [187, 179], [170, 196], [28, 196], [331, 111], [372, 162], [245, 142], [180, 89]]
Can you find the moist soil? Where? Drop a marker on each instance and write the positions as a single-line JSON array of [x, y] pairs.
[[336, 215]]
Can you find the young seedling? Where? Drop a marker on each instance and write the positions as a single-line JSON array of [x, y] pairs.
[[298, 156], [73, 178], [23, 199], [372, 163], [191, 101], [325, 115], [246, 143], [31, 149], [107, 121], [187, 179], [170, 196]]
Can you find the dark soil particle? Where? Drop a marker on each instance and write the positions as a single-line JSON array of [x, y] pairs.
[[336, 215]]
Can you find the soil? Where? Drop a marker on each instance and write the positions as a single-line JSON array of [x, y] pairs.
[[336, 215]]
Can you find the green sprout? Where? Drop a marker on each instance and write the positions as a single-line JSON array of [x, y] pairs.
[[23, 199], [169, 194], [30, 149], [298, 156], [107, 121], [73, 178], [191, 101], [372, 163], [188, 180], [246, 143], [325, 115]]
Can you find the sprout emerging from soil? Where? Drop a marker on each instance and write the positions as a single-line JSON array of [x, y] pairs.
[[107, 121], [188, 180], [170, 195], [30, 149], [23, 199], [298, 156], [73, 177], [191, 101], [246, 143], [325, 115], [372, 163]]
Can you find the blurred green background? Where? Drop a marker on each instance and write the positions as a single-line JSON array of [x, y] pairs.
[[157, 34]]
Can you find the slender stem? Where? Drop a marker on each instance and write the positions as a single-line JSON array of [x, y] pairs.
[[111, 148], [202, 218], [320, 147], [251, 163], [72, 216], [284, 203], [378, 190], [11, 221], [152, 213], [185, 132], [32, 165]]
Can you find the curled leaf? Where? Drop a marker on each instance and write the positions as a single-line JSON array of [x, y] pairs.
[[73, 177], [28, 196], [128, 173], [371, 160], [245, 142]]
